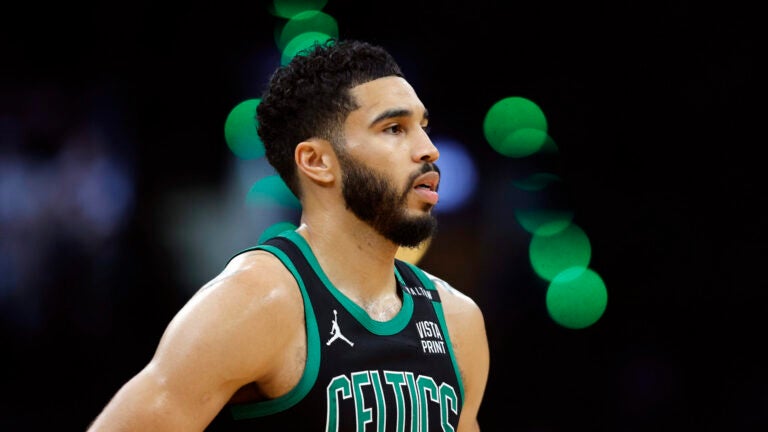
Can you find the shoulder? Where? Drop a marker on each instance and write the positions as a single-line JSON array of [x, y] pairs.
[[232, 332], [250, 283], [254, 291], [453, 299], [462, 314], [252, 272]]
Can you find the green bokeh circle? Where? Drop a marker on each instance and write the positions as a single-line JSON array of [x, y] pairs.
[[515, 127], [565, 248], [291, 8], [271, 191], [544, 222], [576, 298], [309, 21], [241, 130], [301, 42]]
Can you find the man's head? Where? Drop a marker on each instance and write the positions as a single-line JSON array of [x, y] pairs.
[[310, 97], [353, 96]]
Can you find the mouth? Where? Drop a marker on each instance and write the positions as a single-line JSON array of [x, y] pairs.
[[426, 186], [428, 181]]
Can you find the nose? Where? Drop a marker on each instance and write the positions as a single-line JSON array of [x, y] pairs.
[[425, 150]]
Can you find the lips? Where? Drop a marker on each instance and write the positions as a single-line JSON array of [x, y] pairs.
[[426, 185]]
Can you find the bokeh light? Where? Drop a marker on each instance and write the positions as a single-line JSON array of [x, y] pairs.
[[271, 191], [544, 222], [241, 130], [576, 298], [536, 182], [515, 127], [458, 175], [549, 147], [552, 254], [305, 22], [291, 8], [300, 43]]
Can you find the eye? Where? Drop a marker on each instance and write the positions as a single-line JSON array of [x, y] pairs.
[[427, 129], [394, 129]]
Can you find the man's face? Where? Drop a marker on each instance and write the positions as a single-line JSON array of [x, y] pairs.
[[389, 178]]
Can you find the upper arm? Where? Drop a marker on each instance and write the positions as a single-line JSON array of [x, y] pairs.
[[466, 327], [205, 354]]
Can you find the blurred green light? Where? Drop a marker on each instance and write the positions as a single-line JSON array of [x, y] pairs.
[[549, 146], [241, 130], [551, 254], [304, 22], [300, 43], [271, 191], [515, 127], [275, 229], [536, 182], [291, 8], [576, 298], [544, 222]]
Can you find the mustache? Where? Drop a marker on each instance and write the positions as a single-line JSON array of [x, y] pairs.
[[427, 167]]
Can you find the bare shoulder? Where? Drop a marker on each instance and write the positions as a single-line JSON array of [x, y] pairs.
[[251, 283], [254, 286], [232, 332], [256, 276], [453, 299], [235, 322]]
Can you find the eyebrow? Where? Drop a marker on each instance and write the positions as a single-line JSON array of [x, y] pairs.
[[394, 113]]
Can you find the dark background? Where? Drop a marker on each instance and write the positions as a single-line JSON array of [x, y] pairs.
[[653, 106]]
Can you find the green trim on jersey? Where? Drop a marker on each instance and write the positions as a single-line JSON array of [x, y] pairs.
[[429, 284], [382, 328], [308, 378]]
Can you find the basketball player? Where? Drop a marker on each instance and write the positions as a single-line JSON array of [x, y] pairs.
[[252, 349]]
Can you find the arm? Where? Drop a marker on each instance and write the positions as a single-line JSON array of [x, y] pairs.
[[205, 354], [470, 343]]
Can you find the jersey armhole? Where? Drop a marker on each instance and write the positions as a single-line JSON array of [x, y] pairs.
[[312, 366]]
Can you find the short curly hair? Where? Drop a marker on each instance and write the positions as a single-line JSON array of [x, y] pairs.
[[309, 97]]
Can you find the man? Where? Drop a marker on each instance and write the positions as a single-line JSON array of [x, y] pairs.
[[322, 328]]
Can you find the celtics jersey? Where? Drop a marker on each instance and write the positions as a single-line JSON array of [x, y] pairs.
[[360, 374]]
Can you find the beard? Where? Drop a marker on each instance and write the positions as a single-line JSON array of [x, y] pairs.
[[371, 197]]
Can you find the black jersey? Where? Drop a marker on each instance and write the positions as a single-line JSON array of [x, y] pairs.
[[360, 374]]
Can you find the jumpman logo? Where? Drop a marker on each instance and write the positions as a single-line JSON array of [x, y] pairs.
[[336, 332]]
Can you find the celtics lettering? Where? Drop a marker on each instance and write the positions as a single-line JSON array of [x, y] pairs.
[[413, 396]]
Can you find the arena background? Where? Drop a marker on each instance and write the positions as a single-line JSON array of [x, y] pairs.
[[119, 195]]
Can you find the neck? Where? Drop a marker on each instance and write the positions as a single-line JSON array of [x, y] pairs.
[[357, 259]]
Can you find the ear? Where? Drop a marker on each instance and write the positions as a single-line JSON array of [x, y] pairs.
[[315, 158]]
